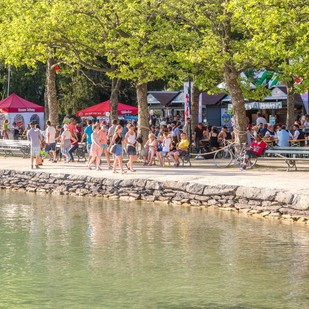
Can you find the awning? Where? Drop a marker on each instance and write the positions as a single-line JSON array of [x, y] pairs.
[[16, 104], [102, 108]]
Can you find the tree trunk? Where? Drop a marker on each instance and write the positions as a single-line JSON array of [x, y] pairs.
[[195, 107], [51, 93], [114, 99], [240, 119], [290, 104], [143, 125]]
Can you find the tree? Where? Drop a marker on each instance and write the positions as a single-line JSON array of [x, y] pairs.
[[280, 35], [217, 46], [83, 27], [141, 48], [24, 42], [64, 33]]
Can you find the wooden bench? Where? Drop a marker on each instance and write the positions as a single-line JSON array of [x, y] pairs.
[[290, 155], [11, 147]]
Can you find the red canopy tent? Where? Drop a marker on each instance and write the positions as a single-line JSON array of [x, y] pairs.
[[21, 111], [102, 108], [16, 104]]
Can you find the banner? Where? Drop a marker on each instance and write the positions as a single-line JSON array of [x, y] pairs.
[[187, 102], [263, 105]]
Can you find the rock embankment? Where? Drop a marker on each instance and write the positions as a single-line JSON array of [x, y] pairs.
[[254, 201]]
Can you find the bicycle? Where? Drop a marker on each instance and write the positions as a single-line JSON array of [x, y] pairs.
[[234, 152]]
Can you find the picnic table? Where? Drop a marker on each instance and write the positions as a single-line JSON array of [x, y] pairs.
[[289, 155], [293, 143]]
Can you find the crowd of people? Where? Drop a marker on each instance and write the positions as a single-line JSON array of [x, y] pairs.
[[164, 142], [167, 141], [279, 133]]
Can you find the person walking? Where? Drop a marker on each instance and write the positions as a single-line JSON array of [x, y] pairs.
[[103, 141], [74, 146], [96, 148], [87, 136], [35, 137], [66, 142], [111, 130], [51, 140], [130, 139], [117, 141]]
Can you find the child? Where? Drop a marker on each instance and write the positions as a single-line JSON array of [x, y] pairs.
[[166, 144], [152, 145]]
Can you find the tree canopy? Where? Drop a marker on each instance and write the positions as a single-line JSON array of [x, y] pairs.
[[143, 41]]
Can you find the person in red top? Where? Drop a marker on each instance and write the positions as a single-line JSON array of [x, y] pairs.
[[72, 128], [256, 150], [74, 139], [257, 147]]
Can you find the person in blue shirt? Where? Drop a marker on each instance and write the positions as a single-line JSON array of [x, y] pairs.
[[264, 130], [284, 136], [87, 135]]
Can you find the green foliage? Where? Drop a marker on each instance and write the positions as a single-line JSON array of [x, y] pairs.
[[279, 32], [143, 41]]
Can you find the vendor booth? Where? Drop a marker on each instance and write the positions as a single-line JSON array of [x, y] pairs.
[[20, 111], [103, 109]]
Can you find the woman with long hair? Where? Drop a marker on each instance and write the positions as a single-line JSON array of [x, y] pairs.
[[117, 141], [130, 139], [96, 149], [152, 145], [66, 142]]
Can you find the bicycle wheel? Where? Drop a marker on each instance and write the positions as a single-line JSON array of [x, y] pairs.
[[251, 162], [223, 158]]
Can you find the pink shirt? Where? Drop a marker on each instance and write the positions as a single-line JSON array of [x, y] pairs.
[[103, 137]]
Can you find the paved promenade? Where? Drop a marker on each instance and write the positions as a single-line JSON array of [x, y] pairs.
[[271, 175]]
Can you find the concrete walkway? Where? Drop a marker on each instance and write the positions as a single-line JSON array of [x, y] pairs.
[[271, 175]]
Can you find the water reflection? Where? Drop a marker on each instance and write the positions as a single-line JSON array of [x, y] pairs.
[[82, 252]]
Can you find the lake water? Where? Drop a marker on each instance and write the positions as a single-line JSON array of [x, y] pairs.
[[65, 252]]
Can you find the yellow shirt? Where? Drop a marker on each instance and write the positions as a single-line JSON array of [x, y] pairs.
[[6, 126], [184, 144]]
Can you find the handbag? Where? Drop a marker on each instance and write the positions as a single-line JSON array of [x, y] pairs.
[[140, 139], [112, 150]]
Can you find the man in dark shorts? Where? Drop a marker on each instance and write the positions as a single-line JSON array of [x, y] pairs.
[[51, 140]]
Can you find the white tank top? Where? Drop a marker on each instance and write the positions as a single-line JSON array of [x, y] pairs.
[[132, 138], [167, 144]]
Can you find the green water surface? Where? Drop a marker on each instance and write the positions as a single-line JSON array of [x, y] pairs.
[[65, 252]]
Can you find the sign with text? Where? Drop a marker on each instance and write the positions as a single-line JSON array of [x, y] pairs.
[[263, 105]]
